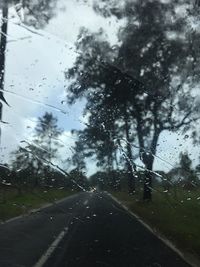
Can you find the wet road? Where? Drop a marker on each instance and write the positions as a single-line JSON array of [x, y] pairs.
[[87, 229]]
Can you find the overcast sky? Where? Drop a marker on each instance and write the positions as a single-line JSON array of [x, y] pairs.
[[34, 79]]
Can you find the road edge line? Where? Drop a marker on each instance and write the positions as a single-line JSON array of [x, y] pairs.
[[190, 259]]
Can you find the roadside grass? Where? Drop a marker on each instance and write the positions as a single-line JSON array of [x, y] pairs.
[[14, 204], [175, 217]]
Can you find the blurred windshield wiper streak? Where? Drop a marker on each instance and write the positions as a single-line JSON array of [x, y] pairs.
[[54, 166], [22, 25], [53, 202], [35, 101], [24, 135], [46, 162], [155, 156], [124, 154], [148, 151], [19, 39], [15, 113], [4, 122], [54, 138], [14, 40]]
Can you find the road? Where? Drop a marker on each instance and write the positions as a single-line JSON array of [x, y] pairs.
[[86, 230]]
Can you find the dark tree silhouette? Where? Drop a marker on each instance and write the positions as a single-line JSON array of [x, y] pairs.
[[185, 161], [78, 157], [46, 135], [38, 13], [144, 85], [37, 155]]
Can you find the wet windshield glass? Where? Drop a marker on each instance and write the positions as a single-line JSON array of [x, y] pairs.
[[99, 133]]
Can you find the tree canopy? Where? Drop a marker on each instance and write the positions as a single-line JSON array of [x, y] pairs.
[[37, 154], [140, 87]]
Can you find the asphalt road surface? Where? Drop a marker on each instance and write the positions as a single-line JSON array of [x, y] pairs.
[[85, 230]]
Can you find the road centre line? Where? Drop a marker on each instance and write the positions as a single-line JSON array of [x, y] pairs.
[[51, 249]]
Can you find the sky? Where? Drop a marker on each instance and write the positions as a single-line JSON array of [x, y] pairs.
[[36, 61]]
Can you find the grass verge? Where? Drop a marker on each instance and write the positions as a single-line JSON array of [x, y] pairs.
[[176, 219], [13, 204]]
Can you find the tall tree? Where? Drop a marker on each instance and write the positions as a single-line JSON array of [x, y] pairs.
[[39, 152], [187, 172], [103, 104], [78, 157], [147, 80], [185, 162], [46, 134]]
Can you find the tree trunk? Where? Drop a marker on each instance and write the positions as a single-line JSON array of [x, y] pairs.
[[147, 192], [129, 160], [3, 41], [148, 160]]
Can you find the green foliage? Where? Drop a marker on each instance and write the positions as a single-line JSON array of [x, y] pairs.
[[176, 218], [16, 204], [185, 162], [139, 88], [32, 163], [184, 175], [78, 157], [46, 134], [37, 13]]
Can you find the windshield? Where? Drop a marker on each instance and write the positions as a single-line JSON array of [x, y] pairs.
[[99, 133]]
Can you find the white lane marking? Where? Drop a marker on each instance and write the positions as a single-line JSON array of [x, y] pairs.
[[51, 249], [85, 202]]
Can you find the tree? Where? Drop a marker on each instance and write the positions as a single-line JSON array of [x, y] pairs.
[[78, 157], [144, 84], [187, 172], [99, 136], [37, 155], [38, 13], [185, 161], [46, 135]]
